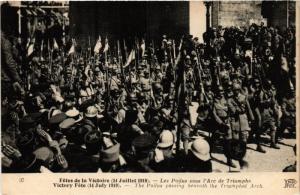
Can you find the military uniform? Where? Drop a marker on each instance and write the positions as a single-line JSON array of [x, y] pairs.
[[239, 108], [268, 114], [221, 116], [288, 120]]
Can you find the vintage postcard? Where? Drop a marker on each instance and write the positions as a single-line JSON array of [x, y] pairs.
[[150, 97]]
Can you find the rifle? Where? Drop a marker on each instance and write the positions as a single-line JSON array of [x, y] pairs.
[[89, 47], [129, 67], [174, 50], [137, 56], [151, 58], [125, 49], [120, 61], [42, 45]]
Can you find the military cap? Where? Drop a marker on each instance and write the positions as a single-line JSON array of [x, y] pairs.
[[28, 164], [92, 141], [248, 40], [74, 113], [166, 139], [111, 154], [84, 105], [132, 97], [69, 70], [236, 86], [144, 142], [45, 154], [53, 111], [220, 88], [142, 63], [201, 45], [170, 98], [140, 67], [172, 85], [207, 83], [67, 123], [97, 69], [200, 148], [157, 67], [133, 80], [27, 120], [91, 112], [131, 116], [193, 53], [141, 96], [58, 118], [25, 142], [256, 80], [249, 77], [36, 115], [268, 82], [157, 86]]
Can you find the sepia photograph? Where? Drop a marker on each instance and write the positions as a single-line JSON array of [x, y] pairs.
[[148, 87]]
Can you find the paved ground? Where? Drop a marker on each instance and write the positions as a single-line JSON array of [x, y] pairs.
[[272, 161]]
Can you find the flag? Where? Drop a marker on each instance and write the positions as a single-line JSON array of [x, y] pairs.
[[19, 13], [66, 14], [130, 57], [41, 11], [143, 47], [249, 54], [28, 13], [55, 45], [30, 47], [72, 49], [98, 46], [106, 46]]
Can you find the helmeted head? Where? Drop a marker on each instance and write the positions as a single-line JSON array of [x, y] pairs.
[[200, 148]]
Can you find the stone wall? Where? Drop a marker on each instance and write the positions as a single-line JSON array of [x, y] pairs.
[[119, 20], [241, 13], [282, 13], [236, 13]]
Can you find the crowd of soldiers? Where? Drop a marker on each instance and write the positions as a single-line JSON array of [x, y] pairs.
[[94, 110]]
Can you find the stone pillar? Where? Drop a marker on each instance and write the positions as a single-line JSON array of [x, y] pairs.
[[207, 5], [215, 14]]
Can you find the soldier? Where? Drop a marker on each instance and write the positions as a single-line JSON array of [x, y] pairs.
[[257, 126], [221, 116], [239, 110], [164, 158], [198, 159], [157, 76], [143, 149], [190, 81], [288, 120], [268, 113], [207, 96], [10, 78], [111, 160]]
